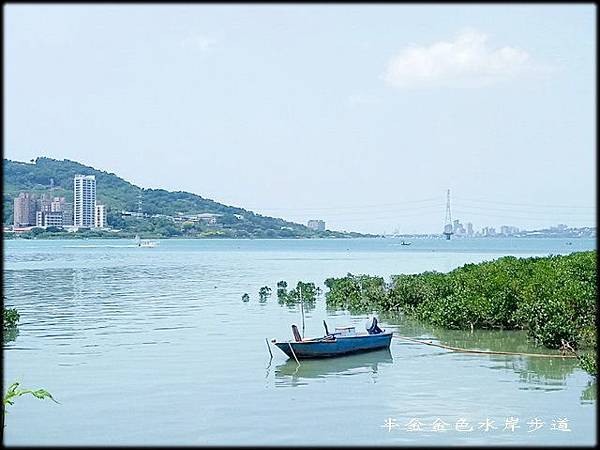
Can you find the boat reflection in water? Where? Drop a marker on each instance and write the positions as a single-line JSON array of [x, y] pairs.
[[292, 374]]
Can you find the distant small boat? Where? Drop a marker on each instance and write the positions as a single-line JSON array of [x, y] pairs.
[[141, 243], [405, 243], [569, 243], [343, 341]]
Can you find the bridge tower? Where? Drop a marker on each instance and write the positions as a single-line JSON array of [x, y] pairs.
[[448, 222]]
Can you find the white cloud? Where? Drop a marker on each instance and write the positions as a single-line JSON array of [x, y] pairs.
[[202, 43], [467, 61]]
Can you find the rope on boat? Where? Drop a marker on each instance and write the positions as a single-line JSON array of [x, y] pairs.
[[487, 352], [295, 357]]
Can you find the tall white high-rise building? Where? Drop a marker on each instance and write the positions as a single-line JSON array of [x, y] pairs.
[[84, 201], [100, 218]]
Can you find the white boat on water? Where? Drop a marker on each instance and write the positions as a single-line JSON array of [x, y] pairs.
[[141, 243]]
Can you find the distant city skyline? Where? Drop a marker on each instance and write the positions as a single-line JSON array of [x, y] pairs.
[[358, 115], [560, 230]]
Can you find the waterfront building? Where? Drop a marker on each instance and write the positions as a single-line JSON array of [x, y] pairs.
[[68, 214], [49, 219], [470, 229], [489, 231], [100, 217], [39, 218], [44, 203], [54, 219], [24, 210], [84, 201], [208, 218], [60, 204], [457, 228], [508, 230], [317, 225]]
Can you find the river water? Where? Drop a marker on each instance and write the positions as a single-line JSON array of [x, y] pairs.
[[154, 346]]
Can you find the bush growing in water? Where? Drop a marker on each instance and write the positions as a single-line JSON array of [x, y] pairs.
[[281, 290], [559, 300], [553, 297], [309, 294], [588, 360], [10, 317], [357, 293], [264, 293], [308, 291]]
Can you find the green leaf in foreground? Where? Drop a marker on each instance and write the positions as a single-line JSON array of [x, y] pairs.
[[14, 392]]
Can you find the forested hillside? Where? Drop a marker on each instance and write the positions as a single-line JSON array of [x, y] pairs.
[[118, 195]]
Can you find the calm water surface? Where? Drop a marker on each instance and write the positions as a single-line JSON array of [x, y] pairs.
[[149, 346]]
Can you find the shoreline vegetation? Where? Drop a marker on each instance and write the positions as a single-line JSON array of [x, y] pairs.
[[40, 233], [552, 297]]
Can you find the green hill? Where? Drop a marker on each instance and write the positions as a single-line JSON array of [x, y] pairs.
[[119, 195]]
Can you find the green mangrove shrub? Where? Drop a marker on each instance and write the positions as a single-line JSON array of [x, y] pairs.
[[264, 293], [308, 290], [588, 362], [357, 293], [409, 291], [559, 300], [10, 317], [553, 297], [588, 359], [281, 291]]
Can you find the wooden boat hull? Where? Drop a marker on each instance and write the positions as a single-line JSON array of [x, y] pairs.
[[336, 347]]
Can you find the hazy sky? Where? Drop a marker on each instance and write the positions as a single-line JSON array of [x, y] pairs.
[[359, 115]]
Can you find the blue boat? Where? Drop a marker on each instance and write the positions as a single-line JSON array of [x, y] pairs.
[[343, 341]]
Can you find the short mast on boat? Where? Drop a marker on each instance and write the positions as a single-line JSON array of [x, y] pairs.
[[301, 308]]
